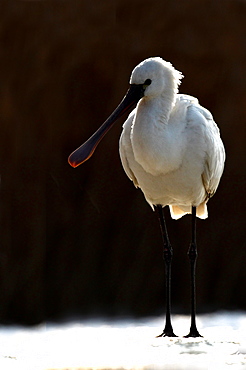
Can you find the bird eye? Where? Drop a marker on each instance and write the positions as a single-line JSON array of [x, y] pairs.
[[147, 82]]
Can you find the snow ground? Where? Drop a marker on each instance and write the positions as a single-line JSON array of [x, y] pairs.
[[127, 344]]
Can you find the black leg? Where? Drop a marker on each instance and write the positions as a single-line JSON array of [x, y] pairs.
[[192, 253], [167, 255]]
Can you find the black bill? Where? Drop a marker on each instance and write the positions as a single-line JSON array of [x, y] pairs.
[[85, 151]]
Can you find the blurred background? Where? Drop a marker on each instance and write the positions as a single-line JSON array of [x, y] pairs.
[[84, 241]]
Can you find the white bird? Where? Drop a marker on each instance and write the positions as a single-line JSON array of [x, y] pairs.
[[170, 147]]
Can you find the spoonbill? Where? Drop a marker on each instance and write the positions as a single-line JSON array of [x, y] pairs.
[[171, 149]]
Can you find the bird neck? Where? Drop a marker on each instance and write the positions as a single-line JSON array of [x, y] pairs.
[[152, 136], [156, 109]]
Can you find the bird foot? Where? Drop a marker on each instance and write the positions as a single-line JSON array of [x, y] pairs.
[[167, 333], [193, 334]]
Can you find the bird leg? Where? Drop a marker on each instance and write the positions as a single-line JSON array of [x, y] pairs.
[[167, 255], [192, 253]]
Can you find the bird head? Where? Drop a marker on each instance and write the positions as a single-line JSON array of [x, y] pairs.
[[156, 76]]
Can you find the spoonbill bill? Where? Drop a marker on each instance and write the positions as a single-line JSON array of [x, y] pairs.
[[171, 149]]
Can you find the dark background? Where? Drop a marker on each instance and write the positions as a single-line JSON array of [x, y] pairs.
[[84, 241]]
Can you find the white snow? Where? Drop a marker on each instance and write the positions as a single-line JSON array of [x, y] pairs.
[[127, 344]]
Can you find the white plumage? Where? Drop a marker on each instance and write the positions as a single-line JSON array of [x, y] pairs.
[[170, 146]]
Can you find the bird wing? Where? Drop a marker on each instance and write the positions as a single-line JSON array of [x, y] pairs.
[[214, 152], [125, 147], [214, 161]]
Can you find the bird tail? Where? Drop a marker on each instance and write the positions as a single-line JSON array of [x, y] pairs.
[[179, 211]]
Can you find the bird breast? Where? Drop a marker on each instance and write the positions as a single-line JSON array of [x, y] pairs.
[[158, 144]]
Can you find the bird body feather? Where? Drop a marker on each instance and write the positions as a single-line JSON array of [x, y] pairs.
[[176, 157]]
